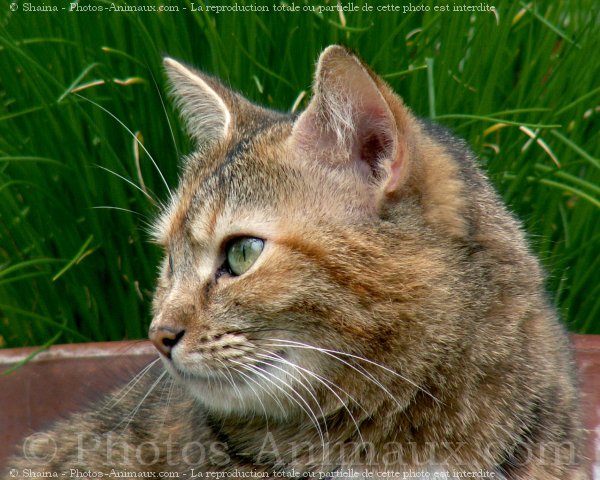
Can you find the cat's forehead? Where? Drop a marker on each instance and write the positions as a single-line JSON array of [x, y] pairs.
[[253, 171], [247, 185]]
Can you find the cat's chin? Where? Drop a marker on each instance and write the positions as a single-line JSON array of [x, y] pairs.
[[227, 394], [224, 399]]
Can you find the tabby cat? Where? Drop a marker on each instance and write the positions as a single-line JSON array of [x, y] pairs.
[[342, 295]]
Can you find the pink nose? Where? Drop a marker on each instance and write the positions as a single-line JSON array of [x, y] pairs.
[[165, 339]]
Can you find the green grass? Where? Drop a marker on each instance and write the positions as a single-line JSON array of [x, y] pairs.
[[522, 88]]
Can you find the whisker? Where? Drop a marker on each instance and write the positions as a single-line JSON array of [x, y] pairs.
[[170, 395], [332, 353], [124, 391], [168, 383], [108, 207], [125, 179], [132, 134], [324, 381], [266, 329], [358, 369], [146, 223], [246, 379], [230, 380], [311, 393], [132, 414], [267, 390], [160, 97], [311, 415], [273, 356], [136, 157]]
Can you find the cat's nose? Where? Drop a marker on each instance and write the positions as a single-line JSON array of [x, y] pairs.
[[165, 339]]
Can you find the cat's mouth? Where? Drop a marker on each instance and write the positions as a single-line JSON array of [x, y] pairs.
[[233, 373], [196, 375]]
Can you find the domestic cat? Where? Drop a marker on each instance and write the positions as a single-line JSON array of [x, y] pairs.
[[342, 295]]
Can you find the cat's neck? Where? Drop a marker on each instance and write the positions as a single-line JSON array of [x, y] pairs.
[[348, 437], [388, 436]]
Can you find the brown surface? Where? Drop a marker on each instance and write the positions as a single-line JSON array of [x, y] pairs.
[[59, 381], [64, 377], [587, 348]]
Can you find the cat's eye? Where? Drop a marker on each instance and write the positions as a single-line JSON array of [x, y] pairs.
[[241, 253]]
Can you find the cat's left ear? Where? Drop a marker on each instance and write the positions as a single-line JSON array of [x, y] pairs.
[[202, 102], [354, 120]]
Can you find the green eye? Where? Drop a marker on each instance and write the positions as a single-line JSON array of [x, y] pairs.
[[242, 253]]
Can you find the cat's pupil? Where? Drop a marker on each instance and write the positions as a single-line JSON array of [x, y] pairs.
[[242, 253]]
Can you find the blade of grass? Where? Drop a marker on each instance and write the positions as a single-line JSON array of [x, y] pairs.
[[76, 258], [430, 86], [43, 319], [32, 355]]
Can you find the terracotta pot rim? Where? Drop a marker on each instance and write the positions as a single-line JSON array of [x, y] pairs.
[[134, 348]]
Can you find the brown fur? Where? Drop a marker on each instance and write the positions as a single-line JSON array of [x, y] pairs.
[[383, 241]]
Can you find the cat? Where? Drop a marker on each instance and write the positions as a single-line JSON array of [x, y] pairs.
[[343, 294]]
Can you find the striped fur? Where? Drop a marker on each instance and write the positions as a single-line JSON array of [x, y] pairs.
[[396, 319]]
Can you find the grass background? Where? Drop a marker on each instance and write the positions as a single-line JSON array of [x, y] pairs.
[[522, 86]]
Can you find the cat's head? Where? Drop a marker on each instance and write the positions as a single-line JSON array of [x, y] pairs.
[[309, 258]]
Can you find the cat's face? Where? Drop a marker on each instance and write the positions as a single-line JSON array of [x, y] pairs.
[[243, 271], [285, 289]]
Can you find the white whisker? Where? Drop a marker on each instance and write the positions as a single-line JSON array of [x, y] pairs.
[[108, 207], [308, 390], [325, 382], [124, 391], [162, 393], [132, 414], [125, 179], [308, 410], [231, 380], [358, 369], [246, 379], [132, 134], [171, 131], [333, 354]]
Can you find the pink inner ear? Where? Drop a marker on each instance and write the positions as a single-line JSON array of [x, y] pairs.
[[349, 122], [374, 142]]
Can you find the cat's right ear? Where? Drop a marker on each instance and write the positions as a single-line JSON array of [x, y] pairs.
[[356, 119], [203, 108]]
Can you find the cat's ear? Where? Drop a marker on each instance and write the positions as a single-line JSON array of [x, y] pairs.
[[355, 117], [201, 103]]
